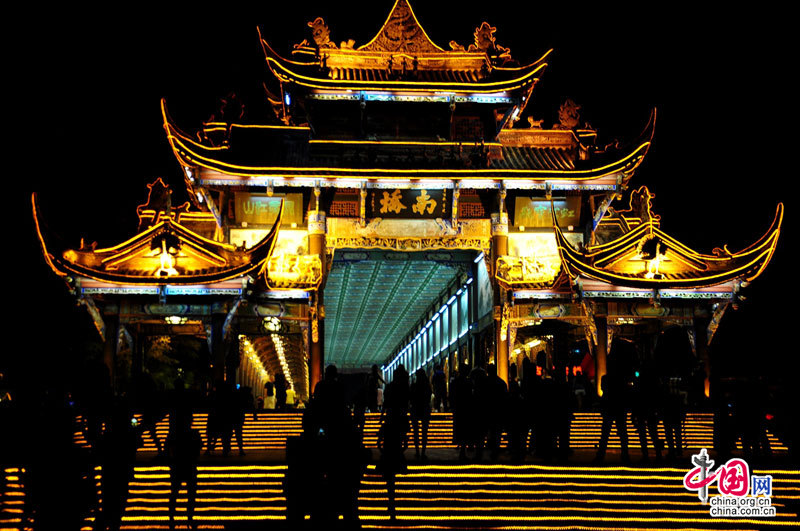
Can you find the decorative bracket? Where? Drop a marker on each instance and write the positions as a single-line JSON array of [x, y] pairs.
[[94, 312], [719, 311], [212, 206], [226, 326], [590, 327], [601, 210]]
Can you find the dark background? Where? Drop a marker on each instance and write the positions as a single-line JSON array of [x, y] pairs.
[[82, 102]]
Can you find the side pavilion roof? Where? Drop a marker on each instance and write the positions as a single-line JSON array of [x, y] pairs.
[[646, 257], [165, 253]]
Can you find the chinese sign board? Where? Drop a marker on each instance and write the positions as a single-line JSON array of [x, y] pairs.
[[261, 209], [409, 204]]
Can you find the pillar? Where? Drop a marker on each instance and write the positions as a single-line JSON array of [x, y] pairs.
[[701, 345], [601, 322], [472, 314], [110, 346], [499, 248], [217, 349], [316, 245]]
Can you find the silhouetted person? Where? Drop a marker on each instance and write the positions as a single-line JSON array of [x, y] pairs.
[[495, 395], [420, 394], [563, 404], [439, 382], [516, 424], [281, 385], [536, 391], [344, 468], [330, 407], [339, 445], [530, 389], [613, 406], [750, 417], [40, 441], [360, 400], [374, 384], [215, 420], [644, 410], [547, 414], [724, 421], [673, 353], [148, 401], [303, 483], [480, 410], [117, 456], [393, 434], [96, 399], [183, 446], [226, 414], [241, 404], [672, 414], [269, 394], [461, 402]]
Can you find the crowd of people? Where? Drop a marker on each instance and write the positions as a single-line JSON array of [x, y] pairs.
[[534, 410]]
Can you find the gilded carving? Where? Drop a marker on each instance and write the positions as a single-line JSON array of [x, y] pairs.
[[408, 244], [512, 337], [408, 228], [294, 272], [315, 330], [401, 33], [504, 319], [529, 271], [534, 124], [316, 222], [500, 224]]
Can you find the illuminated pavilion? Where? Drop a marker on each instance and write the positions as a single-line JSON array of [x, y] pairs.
[[400, 210]]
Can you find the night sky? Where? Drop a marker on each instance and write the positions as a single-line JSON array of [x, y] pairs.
[[84, 106]]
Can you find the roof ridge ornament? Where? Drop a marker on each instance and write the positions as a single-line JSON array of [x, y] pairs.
[[640, 205], [485, 41], [569, 116], [320, 35]]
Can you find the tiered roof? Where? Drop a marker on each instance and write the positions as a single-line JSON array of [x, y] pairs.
[[260, 151], [468, 100]]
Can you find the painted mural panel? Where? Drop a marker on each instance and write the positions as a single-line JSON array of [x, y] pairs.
[[536, 213], [540, 246], [289, 241], [484, 290]]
